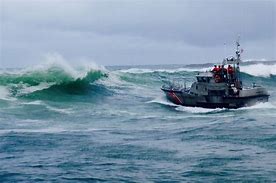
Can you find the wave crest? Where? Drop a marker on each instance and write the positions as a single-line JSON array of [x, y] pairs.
[[259, 70], [54, 76]]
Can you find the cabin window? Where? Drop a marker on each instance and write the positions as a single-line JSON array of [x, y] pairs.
[[216, 92], [199, 79], [203, 79]]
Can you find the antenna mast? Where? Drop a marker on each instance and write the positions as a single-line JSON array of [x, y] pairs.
[[238, 51]]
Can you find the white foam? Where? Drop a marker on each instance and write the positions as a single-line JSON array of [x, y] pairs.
[[35, 102], [259, 70], [59, 110], [52, 60], [112, 80], [163, 101], [198, 110], [266, 105], [5, 94], [142, 71], [89, 65], [55, 60], [259, 59], [51, 108], [31, 89]]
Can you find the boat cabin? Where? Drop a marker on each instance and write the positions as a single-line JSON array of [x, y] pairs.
[[204, 77]]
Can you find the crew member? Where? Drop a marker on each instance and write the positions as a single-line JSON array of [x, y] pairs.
[[215, 69], [230, 72], [219, 71], [224, 72]]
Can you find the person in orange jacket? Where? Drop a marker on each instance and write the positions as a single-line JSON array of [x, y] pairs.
[[215, 69], [230, 69], [230, 72], [219, 69], [224, 73]]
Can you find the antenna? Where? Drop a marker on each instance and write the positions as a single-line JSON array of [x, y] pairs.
[[238, 41], [238, 52]]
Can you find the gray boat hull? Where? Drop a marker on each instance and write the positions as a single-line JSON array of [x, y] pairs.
[[245, 99]]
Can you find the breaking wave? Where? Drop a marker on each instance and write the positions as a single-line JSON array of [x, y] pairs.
[[260, 70], [48, 78]]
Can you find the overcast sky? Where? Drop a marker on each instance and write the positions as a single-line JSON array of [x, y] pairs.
[[132, 32]]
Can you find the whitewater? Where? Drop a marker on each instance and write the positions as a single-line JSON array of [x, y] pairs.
[[113, 124]]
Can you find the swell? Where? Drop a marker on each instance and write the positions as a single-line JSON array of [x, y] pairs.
[[247, 78], [68, 89], [155, 78], [258, 70]]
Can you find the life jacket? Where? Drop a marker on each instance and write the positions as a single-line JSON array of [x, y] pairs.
[[230, 70], [219, 69], [215, 69]]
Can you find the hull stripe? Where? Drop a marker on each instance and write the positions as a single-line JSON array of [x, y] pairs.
[[175, 96]]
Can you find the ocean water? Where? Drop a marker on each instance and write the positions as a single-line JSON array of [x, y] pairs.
[[96, 124]]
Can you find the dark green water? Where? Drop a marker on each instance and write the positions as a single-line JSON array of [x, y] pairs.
[[60, 124]]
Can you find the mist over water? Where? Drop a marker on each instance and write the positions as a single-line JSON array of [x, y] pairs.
[[64, 124]]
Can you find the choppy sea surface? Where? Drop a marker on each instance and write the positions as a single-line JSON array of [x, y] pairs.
[[96, 124]]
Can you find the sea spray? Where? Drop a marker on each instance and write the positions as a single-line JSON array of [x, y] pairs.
[[260, 70], [55, 74]]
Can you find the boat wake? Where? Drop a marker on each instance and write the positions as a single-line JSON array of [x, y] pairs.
[[200, 110], [163, 101]]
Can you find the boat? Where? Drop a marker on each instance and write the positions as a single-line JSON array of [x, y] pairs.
[[218, 88]]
